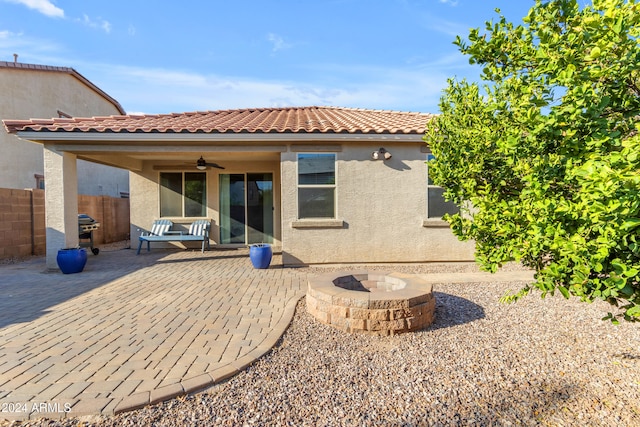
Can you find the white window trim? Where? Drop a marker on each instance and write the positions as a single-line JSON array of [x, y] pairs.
[[318, 222]]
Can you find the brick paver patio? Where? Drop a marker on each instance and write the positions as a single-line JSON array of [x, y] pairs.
[[132, 330]]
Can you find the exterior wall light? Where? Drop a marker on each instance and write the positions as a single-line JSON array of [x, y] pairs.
[[381, 154]]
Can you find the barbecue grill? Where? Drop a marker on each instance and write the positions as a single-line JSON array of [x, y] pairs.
[[86, 227]]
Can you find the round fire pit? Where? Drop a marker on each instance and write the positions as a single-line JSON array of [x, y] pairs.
[[371, 302]]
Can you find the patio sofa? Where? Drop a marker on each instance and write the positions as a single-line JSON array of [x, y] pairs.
[[161, 232]]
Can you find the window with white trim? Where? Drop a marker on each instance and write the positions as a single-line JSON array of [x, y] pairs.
[[316, 185], [437, 206], [183, 194]]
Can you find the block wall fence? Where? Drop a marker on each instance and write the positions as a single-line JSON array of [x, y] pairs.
[[22, 221]]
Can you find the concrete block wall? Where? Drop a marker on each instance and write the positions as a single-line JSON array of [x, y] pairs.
[[22, 221]]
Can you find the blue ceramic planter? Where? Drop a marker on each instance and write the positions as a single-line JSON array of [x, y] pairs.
[[71, 260], [260, 255]]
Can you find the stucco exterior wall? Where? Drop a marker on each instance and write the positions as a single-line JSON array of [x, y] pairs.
[[95, 179], [30, 94], [145, 198], [380, 213]]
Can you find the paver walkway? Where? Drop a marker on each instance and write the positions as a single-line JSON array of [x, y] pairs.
[[132, 330]]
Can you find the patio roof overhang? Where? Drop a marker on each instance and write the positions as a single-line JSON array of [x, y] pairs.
[[130, 150], [128, 141]]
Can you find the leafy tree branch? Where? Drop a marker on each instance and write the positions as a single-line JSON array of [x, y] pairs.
[[546, 154]]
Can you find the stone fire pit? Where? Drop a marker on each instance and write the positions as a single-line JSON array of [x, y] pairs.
[[371, 302]]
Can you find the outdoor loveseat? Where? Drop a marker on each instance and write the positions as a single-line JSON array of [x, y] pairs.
[[161, 232]]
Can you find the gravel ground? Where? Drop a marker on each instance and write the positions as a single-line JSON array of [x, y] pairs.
[[548, 362]]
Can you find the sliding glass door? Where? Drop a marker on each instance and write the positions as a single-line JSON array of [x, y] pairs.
[[246, 208]]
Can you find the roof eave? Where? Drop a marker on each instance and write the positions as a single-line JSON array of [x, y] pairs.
[[44, 137]]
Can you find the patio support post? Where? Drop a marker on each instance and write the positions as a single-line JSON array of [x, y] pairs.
[[61, 201]]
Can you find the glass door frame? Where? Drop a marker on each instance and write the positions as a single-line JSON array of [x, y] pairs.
[[255, 222]]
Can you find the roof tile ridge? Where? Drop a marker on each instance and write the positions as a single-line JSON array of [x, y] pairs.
[[37, 67], [376, 110], [18, 121], [41, 121]]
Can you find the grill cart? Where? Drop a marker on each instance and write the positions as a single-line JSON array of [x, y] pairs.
[[86, 226]]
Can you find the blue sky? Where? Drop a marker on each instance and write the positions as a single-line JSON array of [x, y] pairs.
[[175, 56]]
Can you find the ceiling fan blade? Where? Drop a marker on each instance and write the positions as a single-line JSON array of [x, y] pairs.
[[215, 165]]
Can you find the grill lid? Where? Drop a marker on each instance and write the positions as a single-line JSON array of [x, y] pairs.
[[86, 223]]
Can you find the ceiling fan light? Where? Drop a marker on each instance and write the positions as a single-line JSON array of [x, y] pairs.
[[201, 164]]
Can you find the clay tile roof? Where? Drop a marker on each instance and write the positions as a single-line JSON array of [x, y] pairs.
[[258, 120]]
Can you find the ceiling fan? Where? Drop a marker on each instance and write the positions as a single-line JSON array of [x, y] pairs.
[[202, 164]]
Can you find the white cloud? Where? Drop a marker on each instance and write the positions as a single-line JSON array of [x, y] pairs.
[[450, 2], [98, 23], [46, 7], [156, 91], [278, 42], [448, 27]]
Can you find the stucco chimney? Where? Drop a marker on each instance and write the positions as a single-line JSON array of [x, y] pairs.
[[15, 58]]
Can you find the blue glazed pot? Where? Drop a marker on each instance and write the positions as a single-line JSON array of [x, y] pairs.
[[71, 260], [260, 255]]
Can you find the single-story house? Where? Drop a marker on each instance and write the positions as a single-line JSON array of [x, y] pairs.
[[322, 184]]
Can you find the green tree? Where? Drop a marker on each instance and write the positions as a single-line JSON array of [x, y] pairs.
[[546, 153]]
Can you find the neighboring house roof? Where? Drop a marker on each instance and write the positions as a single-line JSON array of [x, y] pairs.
[[253, 121], [66, 70]]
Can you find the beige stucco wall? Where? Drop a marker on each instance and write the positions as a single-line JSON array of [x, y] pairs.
[[382, 206], [95, 179], [145, 197], [30, 94], [60, 202]]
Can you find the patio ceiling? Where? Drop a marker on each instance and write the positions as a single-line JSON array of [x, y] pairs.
[[175, 159]]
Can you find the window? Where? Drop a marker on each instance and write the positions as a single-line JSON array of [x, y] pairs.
[[39, 181], [436, 205], [183, 194], [316, 185]]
